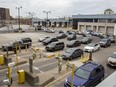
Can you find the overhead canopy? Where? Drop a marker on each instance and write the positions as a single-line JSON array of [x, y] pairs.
[[97, 16]]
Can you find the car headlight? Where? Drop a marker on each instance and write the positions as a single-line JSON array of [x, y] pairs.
[[66, 79]]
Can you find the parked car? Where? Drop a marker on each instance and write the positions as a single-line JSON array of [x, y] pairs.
[[105, 42], [49, 40], [88, 35], [91, 47], [54, 46], [64, 32], [61, 35], [17, 30], [89, 31], [111, 37], [50, 30], [95, 33], [73, 43], [71, 37], [42, 39], [72, 53], [86, 40], [102, 36], [112, 60], [22, 42], [87, 75]]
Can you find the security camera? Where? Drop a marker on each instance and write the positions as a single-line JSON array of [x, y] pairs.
[[11, 64], [6, 82]]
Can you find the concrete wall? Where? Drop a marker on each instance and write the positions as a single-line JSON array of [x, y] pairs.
[[103, 27]]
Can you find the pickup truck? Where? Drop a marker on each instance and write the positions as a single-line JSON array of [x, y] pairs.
[[22, 42]]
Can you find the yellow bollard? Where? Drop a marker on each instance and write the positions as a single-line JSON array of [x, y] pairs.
[[16, 58], [9, 72], [73, 68], [21, 75], [1, 59], [85, 59], [81, 58]]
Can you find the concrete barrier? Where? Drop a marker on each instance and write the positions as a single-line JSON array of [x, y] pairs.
[[32, 78]]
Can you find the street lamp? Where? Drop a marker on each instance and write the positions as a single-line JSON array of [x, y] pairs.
[[47, 12], [19, 15]]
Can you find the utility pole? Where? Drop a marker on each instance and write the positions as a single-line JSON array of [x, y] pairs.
[[19, 16], [47, 12]]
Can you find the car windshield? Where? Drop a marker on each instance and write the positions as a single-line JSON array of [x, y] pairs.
[[82, 73], [73, 41], [91, 45], [48, 39], [113, 56], [70, 51], [104, 40], [86, 38], [52, 44]]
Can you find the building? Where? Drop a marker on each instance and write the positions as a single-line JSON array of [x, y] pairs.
[[4, 14], [108, 11], [26, 21], [104, 23], [61, 22]]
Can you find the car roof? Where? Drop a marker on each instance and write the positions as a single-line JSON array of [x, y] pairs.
[[90, 66], [92, 44], [57, 42]]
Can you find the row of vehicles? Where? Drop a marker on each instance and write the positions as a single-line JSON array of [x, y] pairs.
[[22, 42]]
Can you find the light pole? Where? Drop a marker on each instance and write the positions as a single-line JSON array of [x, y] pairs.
[[47, 12], [19, 15]]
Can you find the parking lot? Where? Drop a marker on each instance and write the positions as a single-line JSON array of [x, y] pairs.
[[99, 56]]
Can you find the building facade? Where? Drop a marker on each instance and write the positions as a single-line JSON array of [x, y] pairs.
[[4, 14], [52, 22], [104, 23], [27, 21]]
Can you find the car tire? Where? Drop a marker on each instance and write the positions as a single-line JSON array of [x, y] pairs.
[[102, 79], [71, 58]]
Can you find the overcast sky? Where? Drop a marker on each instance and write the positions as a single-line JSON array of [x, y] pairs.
[[58, 8]]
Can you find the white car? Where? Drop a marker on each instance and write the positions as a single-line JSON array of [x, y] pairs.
[[50, 30], [112, 60], [91, 47]]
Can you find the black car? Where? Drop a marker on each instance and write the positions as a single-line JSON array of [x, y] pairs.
[[73, 43], [54, 46], [102, 36], [105, 42], [72, 53], [71, 37], [86, 40], [22, 42], [49, 40], [61, 35]]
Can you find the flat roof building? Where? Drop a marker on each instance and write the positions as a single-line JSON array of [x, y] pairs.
[[4, 14], [104, 23]]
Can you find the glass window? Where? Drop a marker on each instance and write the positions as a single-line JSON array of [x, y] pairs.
[[82, 73]]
